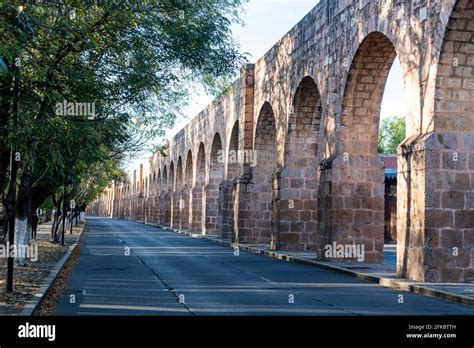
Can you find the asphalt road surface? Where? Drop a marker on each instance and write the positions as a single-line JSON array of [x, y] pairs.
[[128, 268]]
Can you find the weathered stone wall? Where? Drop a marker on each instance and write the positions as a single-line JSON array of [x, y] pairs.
[[309, 110]]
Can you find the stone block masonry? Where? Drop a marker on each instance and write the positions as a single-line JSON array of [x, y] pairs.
[[289, 156]]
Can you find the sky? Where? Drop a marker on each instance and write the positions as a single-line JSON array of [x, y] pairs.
[[265, 22]]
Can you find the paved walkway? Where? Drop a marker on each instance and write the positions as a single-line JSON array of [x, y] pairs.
[[171, 274], [387, 270]]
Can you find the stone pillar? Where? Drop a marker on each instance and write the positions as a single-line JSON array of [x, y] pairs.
[[146, 211], [227, 208], [242, 186], [155, 209], [184, 209], [298, 209], [435, 227], [141, 208], [167, 209], [213, 216], [276, 243], [161, 207], [175, 222], [197, 196], [436, 168], [351, 206], [243, 207]]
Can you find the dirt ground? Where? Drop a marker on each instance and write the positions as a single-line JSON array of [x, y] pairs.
[[28, 279]]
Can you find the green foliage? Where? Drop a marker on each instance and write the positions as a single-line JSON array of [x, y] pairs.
[[391, 134], [132, 60]]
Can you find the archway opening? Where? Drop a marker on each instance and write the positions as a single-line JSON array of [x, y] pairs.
[[233, 165], [171, 188], [158, 183], [392, 132], [164, 184], [189, 170], [233, 171], [197, 191], [186, 197], [358, 176], [217, 160], [157, 204], [163, 197], [179, 175], [201, 166], [213, 219], [298, 204], [178, 203], [265, 146]]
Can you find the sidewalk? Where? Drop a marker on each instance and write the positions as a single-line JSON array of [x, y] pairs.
[[28, 280], [383, 274]]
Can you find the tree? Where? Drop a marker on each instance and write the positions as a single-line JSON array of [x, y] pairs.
[[130, 60], [391, 134]]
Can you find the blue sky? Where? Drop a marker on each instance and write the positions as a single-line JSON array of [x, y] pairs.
[[266, 21]]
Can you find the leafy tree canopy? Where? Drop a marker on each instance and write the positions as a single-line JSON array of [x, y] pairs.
[[131, 60], [391, 134]]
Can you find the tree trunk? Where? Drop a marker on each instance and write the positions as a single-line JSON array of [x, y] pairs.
[[10, 216], [6, 93], [23, 210], [64, 215], [14, 164], [56, 218]]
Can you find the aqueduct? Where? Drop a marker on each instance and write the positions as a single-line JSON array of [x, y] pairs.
[[310, 109]]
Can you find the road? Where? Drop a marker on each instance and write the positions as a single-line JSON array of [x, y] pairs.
[[128, 268]]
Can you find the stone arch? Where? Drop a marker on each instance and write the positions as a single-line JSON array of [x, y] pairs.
[[146, 198], [298, 201], [153, 183], [164, 185], [228, 188], [186, 194], [453, 100], [363, 95], [171, 178], [170, 197], [265, 140], [233, 165], [164, 197], [178, 203], [179, 175], [201, 166], [351, 195], [216, 167], [157, 206], [141, 199], [188, 178], [265, 145], [438, 168], [157, 180], [212, 191], [197, 192]]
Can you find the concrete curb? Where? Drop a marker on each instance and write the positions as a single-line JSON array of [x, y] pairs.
[[398, 284], [49, 280]]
